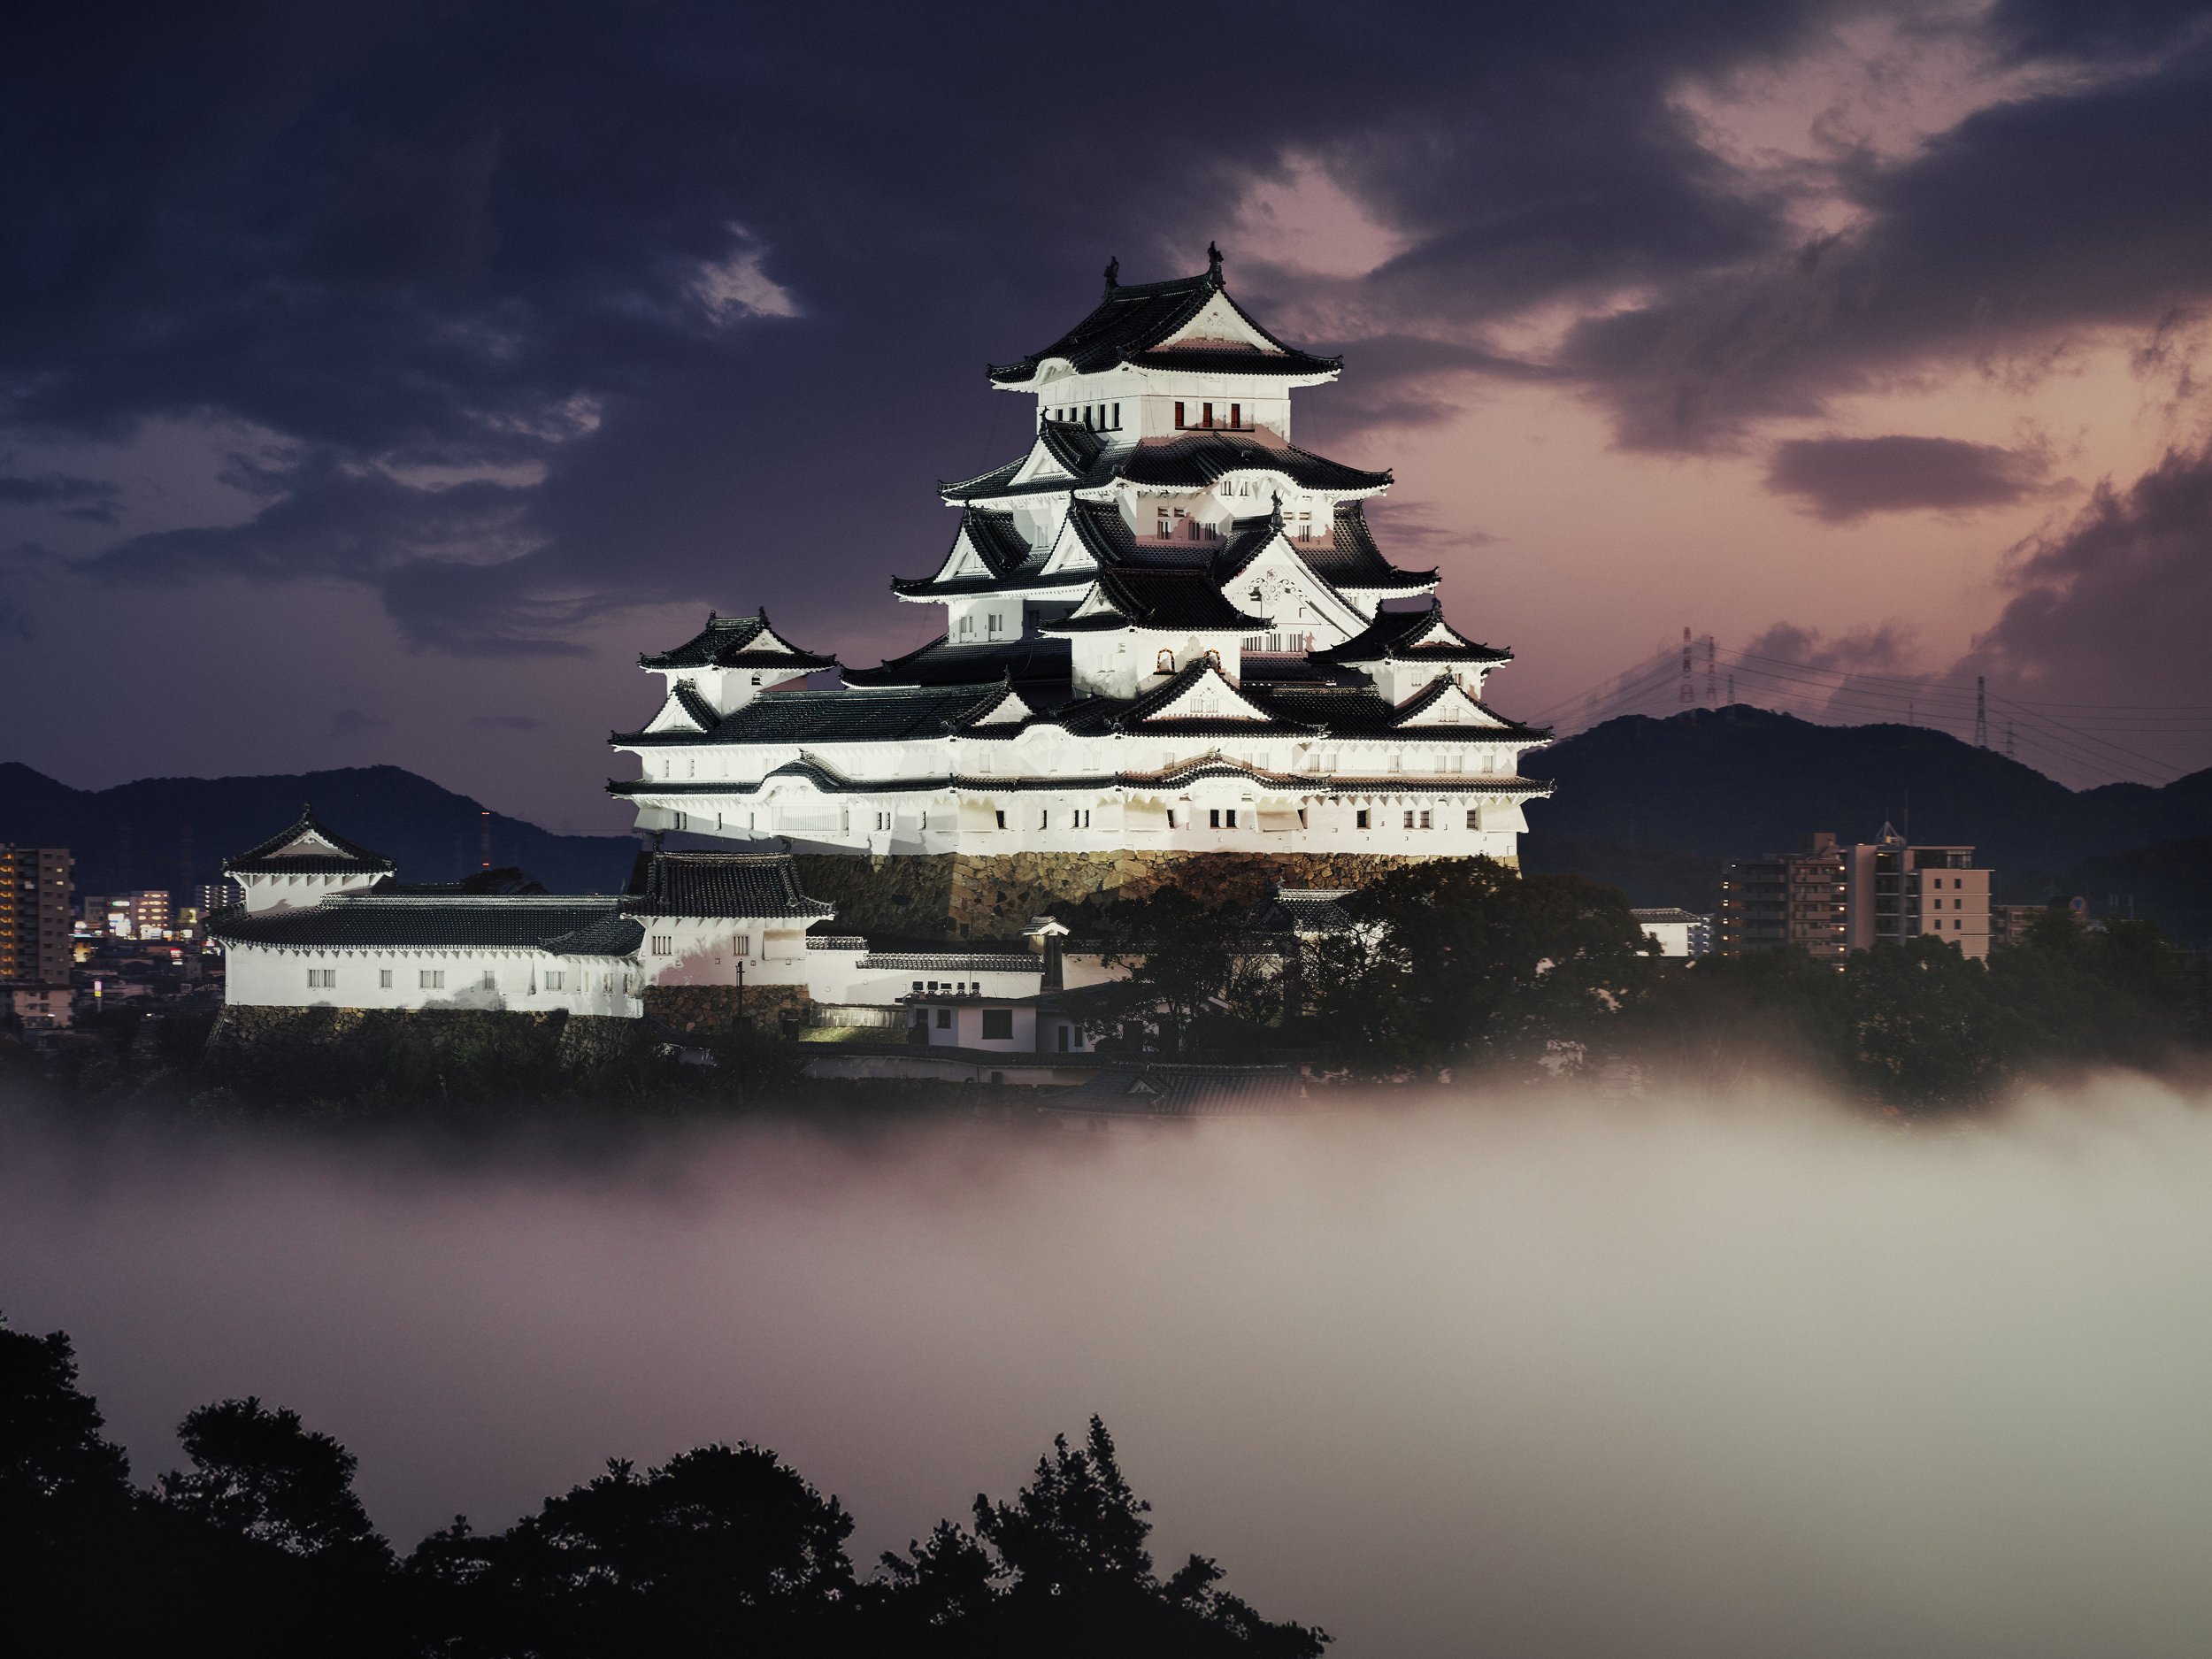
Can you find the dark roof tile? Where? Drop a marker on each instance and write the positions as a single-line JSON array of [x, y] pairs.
[[321, 851], [1129, 321]]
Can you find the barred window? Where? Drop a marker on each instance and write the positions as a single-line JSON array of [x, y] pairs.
[[663, 944], [431, 979]]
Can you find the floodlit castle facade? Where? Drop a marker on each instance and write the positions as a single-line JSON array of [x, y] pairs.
[[1167, 629]]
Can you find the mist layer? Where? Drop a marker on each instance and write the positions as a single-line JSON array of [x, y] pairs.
[[1689, 1377]]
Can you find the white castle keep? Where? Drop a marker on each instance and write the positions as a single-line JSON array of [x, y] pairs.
[[1164, 632]]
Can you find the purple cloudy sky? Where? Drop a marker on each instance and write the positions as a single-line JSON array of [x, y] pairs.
[[375, 381]]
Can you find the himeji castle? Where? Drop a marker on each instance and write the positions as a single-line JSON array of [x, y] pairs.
[[1168, 631]]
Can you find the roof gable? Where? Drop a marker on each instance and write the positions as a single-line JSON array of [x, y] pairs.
[[308, 846], [685, 711], [1446, 703], [736, 642], [1417, 636], [1201, 691], [1182, 316]]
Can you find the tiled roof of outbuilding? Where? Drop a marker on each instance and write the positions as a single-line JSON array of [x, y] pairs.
[[402, 922], [721, 884]]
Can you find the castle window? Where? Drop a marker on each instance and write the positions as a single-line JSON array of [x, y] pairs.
[[1408, 820], [1001, 819], [555, 979], [1179, 417], [1205, 414], [1474, 818], [431, 979], [1236, 415], [663, 944], [944, 1020], [1117, 417], [1213, 817], [1166, 663], [1232, 818], [491, 978], [1425, 820], [741, 944], [321, 979], [383, 978], [1359, 818], [998, 1024]]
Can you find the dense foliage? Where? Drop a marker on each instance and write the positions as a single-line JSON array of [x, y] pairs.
[[260, 1547], [1459, 969]]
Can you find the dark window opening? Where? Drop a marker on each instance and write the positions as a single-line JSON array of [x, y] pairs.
[[1232, 818], [1359, 821], [1001, 819], [998, 1023], [1205, 414], [944, 1020], [1236, 416], [1179, 417], [1213, 817]]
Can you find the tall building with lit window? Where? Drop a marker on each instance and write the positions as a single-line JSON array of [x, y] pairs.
[[1168, 631], [34, 946]]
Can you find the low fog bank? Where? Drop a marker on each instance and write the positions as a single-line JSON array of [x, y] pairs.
[[1711, 1377]]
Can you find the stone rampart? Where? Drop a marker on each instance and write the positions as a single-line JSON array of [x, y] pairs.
[[957, 895], [702, 1009]]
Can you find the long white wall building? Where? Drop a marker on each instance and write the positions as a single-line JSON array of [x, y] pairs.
[[327, 923]]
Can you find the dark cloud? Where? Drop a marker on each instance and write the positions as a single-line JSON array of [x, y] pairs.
[[2118, 605], [93, 499], [547, 313], [499, 238], [2029, 221], [1840, 479]]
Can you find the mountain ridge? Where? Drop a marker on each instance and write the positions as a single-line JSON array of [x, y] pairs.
[[174, 832]]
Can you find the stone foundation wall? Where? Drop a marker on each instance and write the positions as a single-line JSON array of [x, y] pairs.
[[708, 1008], [958, 896]]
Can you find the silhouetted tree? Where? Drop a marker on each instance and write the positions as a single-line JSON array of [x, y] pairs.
[[260, 1475], [69, 1531], [721, 1545], [1063, 1570]]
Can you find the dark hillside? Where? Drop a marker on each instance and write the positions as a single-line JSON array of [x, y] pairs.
[[174, 832], [1739, 782]]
